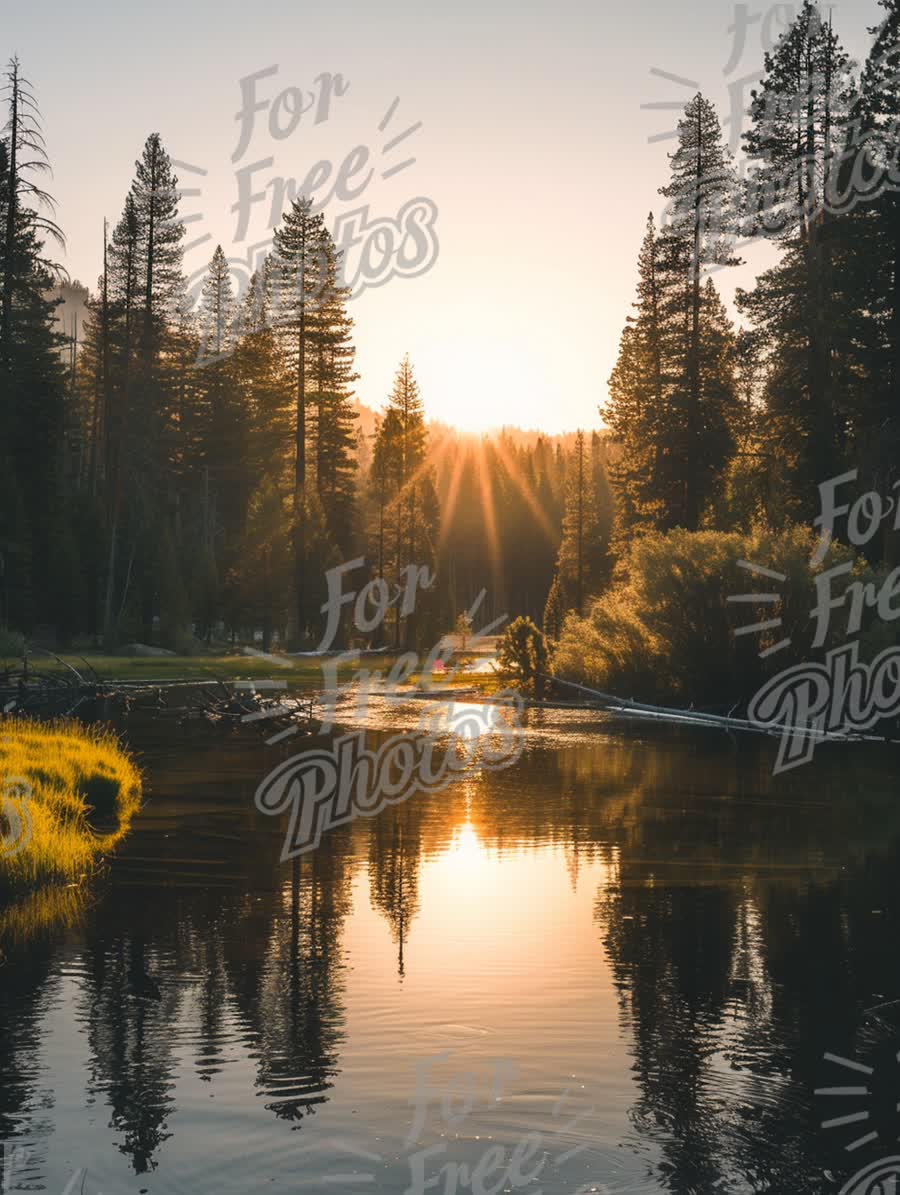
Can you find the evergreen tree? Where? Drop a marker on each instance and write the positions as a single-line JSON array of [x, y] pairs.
[[672, 401], [409, 525], [40, 562], [382, 481], [638, 408], [868, 270], [217, 311], [26, 207], [878, 111], [336, 414], [580, 564], [554, 610], [703, 210], [147, 343], [154, 194], [264, 382], [299, 278], [222, 450], [799, 118]]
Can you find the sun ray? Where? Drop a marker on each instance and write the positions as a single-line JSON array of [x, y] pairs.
[[849, 1064], [448, 509], [515, 476], [768, 625], [761, 570], [490, 519], [860, 1141], [432, 459], [774, 649], [839, 1121], [754, 597]]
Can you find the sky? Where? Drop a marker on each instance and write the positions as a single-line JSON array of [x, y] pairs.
[[495, 242]]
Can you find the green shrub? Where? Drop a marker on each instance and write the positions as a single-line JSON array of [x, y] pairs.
[[666, 630], [522, 656]]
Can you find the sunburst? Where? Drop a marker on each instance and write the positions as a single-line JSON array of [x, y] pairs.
[[767, 624], [398, 139], [850, 1091]]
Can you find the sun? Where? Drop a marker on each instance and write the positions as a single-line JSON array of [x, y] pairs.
[[491, 385]]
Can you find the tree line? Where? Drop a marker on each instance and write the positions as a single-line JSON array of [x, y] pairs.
[[720, 436], [187, 469], [192, 466], [196, 467], [718, 427]]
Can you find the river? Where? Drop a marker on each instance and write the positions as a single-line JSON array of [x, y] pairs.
[[625, 963]]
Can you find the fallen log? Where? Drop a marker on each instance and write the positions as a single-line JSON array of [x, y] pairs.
[[639, 709]]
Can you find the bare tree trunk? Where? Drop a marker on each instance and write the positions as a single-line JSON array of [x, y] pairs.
[[300, 458], [11, 213], [692, 501]]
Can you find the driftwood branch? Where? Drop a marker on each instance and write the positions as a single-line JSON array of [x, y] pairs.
[[639, 709]]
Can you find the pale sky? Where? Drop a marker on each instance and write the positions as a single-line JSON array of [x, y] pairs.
[[534, 150]]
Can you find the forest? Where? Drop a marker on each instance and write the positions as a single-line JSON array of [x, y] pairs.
[[183, 474]]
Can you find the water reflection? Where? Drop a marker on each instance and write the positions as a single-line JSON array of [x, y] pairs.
[[395, 849], [656, 921]]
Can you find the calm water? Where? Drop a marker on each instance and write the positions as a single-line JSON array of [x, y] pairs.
[[625, 956]]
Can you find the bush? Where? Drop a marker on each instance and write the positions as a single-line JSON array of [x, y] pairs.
[[666, 629], [463, 630], [522, 656]]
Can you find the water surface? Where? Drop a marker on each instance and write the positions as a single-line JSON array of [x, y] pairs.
[[625, 957]]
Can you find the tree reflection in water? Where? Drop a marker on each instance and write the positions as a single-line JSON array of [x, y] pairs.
[[744, 920]]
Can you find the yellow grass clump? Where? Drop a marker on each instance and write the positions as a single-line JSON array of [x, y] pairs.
[[67, 796]]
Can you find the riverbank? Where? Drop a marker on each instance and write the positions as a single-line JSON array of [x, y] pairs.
[[68, 796], [296, 672]]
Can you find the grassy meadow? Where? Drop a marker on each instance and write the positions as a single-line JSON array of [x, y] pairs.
[[300, 673], [68, 796]]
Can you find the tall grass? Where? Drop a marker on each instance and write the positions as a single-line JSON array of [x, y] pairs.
[[67, 796]]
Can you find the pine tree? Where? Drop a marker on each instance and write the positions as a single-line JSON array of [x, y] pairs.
[[638, 408], [263, 381], [222, 449], [382, 480], [40, 560], [867, 271], [146, 347], [94, 372], [154, 193], [409, 525], [554, 610], [336, 415], [878, 111], [703, 213], [299, 279], [25, 205], [581, 557], [217, 311], [671, 401], [799, 118]]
